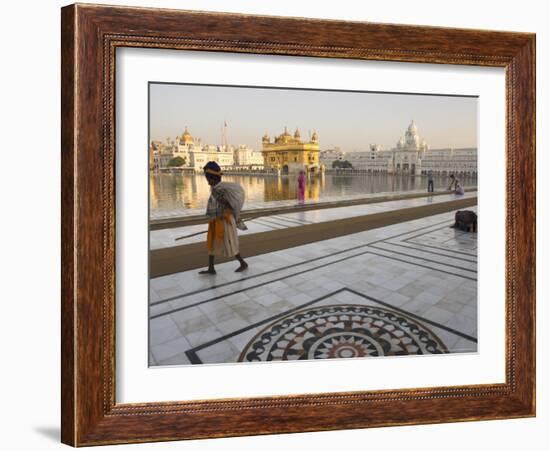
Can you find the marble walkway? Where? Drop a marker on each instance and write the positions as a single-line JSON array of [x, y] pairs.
[[409, 288], [166, 237]]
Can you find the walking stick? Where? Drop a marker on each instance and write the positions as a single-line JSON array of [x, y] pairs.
[[189, 236], [205, 231]]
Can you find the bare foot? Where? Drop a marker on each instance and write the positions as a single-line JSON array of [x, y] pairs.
[[208, 271], [242, 267]]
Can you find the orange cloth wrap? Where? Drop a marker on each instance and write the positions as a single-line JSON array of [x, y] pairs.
[[216, 230]]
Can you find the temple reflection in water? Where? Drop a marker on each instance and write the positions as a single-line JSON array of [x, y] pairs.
[[179, 190]]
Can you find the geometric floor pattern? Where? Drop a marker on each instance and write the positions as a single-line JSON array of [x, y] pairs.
[[405, 289], [342, 331]]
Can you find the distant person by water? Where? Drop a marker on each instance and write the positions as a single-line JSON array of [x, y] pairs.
[[455, 185], [301, 187], [430, 181]]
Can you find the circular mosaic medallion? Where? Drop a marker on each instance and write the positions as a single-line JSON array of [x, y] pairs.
[[341, 331]]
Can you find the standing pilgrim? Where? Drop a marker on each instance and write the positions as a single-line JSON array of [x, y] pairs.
[[224, 208], [430, 181], [301, 187]]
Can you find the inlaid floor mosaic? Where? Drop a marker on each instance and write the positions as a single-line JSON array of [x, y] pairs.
[[342, 331]]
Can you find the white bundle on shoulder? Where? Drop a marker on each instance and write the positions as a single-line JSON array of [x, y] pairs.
[[234, 195]]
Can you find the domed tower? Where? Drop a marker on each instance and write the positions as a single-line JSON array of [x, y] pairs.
[[265, 138], [314, 137], [401, 143], [284, 137], [412, 140], [186, 138], [297, 134], [424, 146]]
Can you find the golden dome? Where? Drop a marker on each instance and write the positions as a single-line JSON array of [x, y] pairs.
[[284, 137], [186, 137], [297, 134]]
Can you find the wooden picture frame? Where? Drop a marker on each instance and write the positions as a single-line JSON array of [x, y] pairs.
[[90, 35]]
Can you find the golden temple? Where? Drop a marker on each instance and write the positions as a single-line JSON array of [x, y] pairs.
[[289, 154]]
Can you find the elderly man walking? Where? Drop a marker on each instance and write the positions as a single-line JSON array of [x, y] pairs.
[[224, 207]]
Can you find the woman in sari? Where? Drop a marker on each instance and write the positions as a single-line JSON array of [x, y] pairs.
[[301, 187]]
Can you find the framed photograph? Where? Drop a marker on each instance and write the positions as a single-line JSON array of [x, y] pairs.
[[266, 230]]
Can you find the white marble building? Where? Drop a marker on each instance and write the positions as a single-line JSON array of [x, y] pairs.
[[244, 156], [373, 160], [411, 141], [328, 156], [195, 155], [411, 155], [450, 161], [183, 146], [223, 155], [164, 152]]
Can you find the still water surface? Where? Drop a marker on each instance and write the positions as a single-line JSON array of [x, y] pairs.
[[181, 191]]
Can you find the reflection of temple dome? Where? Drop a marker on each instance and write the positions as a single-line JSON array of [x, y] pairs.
[[186, 137]]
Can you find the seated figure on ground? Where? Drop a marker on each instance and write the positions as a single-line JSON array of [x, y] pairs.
[[465, 220]]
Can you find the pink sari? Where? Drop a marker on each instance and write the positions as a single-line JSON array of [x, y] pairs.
[[301, 187]]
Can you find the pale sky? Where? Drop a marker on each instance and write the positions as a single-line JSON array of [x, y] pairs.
[[350, 120]]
